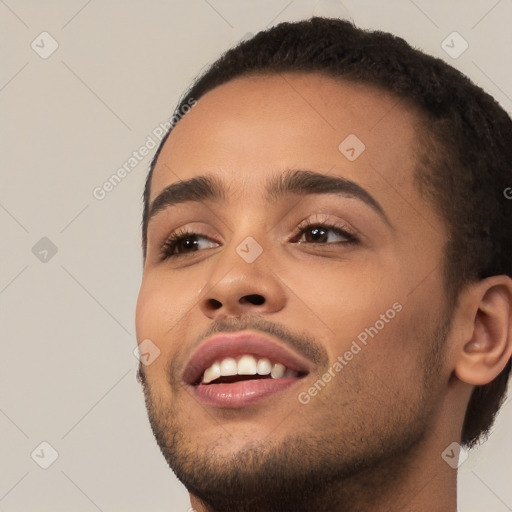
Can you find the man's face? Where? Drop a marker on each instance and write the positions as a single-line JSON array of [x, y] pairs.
[[371, 300]]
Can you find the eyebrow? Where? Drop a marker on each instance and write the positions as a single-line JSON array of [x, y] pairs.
[[298, 182]]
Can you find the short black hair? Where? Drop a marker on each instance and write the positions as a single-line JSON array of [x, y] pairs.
[[464, 165]]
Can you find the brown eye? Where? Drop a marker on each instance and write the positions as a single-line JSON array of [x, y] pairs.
[[182, 243], [320, 234]]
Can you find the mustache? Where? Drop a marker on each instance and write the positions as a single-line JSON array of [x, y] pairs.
[[298, 341]]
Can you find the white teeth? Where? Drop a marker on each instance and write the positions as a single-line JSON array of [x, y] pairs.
[[228, 367], [211, 373], [247, 365], [277, 371], [264, 366]]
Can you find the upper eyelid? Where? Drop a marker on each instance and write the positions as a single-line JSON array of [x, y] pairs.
[[316, 219], [322, 218]]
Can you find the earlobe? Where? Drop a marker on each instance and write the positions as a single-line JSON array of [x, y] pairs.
[[483, 356]]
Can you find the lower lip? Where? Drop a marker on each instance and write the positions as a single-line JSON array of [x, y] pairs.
[[240, 394]]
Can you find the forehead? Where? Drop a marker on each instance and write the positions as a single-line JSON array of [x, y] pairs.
[[252, 127]]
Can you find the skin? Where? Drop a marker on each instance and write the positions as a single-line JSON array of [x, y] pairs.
[[374, 435]]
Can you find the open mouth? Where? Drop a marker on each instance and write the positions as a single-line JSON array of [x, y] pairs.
[[220, 386], [235, 371], [246, 367]]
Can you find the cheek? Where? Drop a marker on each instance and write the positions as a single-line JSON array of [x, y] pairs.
[[373, 320], [397, 353], [162, 309], [384, 374], [149, 314], [351, 295]]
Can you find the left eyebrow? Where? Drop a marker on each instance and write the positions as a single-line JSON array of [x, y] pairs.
[[309, 182], [298, 182]]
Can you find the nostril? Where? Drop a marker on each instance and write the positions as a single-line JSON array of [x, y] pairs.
[[215, 303], [253, 299]]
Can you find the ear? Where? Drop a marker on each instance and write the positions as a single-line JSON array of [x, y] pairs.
[[486, 346]]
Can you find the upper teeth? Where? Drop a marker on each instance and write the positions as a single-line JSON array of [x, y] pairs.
[[246, 365]]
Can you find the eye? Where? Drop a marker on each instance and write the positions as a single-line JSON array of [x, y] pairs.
[[318, 233], [183, 242]]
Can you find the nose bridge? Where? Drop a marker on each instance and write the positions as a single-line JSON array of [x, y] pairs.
[[249, 237], [250, 249]]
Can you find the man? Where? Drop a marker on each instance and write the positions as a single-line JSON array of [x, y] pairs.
[[327, 250]]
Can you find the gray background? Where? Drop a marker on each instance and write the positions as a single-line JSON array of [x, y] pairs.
[[68, 122]]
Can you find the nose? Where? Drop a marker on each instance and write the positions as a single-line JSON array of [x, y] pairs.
[[236, 288]]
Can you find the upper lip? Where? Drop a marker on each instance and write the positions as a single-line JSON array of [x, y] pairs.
[[233, 345]]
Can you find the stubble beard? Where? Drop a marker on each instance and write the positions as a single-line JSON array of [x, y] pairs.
[[324, 469]]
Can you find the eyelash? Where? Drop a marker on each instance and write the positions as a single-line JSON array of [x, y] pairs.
[[181, 234]]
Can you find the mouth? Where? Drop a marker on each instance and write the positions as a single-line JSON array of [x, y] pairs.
[[238, 370]]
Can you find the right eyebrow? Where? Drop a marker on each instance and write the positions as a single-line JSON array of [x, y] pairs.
[[196, 189]]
